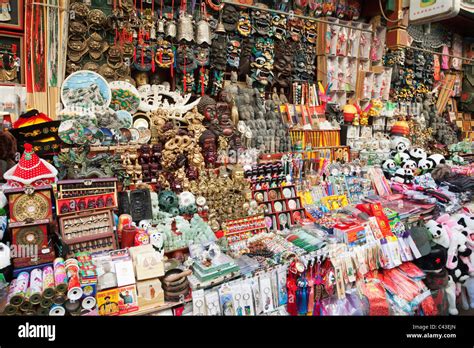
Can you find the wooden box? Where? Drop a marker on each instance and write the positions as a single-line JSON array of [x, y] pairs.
[[86, 195], [397, 38], [30, 234], [28, 204]]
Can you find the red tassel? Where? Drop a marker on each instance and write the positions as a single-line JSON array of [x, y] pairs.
[[202, 81], [143, 58], [153, 61], [184, 78], [135, 54]]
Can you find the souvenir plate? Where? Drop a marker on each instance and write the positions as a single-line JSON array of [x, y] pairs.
[[140, 123], [259, 197], [125, 136], [292, 204], [272, 195], [135, 135], [144, 135], [287, 192], [125, 119], [87, 120], [296, 215], [71, 132], [108, 136], [85, 89], [124, 96], [269, 221], [283, 218], [278, 206], [93, 136]]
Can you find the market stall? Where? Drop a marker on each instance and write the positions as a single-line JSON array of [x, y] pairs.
[[235, 158]]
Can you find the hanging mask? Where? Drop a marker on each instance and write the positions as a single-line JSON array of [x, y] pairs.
[[262, 61], [234, 47], [185, 60], [115, 54], [310, 31], [201, 55], [164, 53], [128, 49], [144, 58], [295, 28], [218, 53], [262, 20], [243, 26], [282, 64], [279, 26], [354, 9], [329, 7], [170, 29], [203, 33], [300, 5], [315, 8], [230, 17], [185, 28]]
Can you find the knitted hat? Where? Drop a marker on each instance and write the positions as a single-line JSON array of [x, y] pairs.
[[31, 170]]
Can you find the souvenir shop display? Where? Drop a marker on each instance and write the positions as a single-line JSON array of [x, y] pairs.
[[252, 158]]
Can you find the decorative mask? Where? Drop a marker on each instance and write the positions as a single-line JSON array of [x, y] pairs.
[[279, 23], [185, 61], [353, 12], [207, 141], [283, 63], [295, 28], [203, 33], [92, 66], [315, 8], [234, 47], [187, 78], [303, 68], [77, 47], [202, 55], [115, 54], [218, 52], [128, 49], [262, 61], [185, 28], [217, 82], [329, 7], [230, 17], [164, 53], [144, 58], [262, 20], [72, 67], [341, 9], [97, 46], [107, 72], [310, 31], [244, 27], [225, 121]]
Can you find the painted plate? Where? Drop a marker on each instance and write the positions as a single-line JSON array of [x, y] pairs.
[[141, 123], [283, 218], [85, 89], [292, 204], [125, 119], [71, 132], [135, 135], [296, 215], [278, 206], [144, 135], [124, 97], [125, 135], [272, 195], [259, 196], [269, 221], [287, 192], [108, 136]]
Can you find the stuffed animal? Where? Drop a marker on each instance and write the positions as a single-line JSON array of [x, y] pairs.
[[439, 233], [399, 144], [417, 154], [410, 164], [389, 166], [400, 176], [451, 295], [457, 247], [467, 294]]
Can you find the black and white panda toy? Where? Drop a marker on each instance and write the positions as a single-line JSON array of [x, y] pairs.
[[389, 165], [403, 176], [431, 162], [410, 164], [417, 154]]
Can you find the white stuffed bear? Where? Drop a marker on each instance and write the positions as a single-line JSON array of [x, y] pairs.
[[467, 294], [439, 233]]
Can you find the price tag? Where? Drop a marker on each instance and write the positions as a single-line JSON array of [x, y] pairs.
[[72, 14]]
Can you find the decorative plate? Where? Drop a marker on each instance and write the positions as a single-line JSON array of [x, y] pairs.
[[259, 197], [85, 89], [283, 218], [93, 136], [124, 96], [34, 207], [278, 206], [125, 136], [296, 215], [145, 135], [272, 195], [87, 120], [292, 204], [141, 123], [71, 132], [287, 192], [268, 221], [125, 119], [108, 136], [135, 135]]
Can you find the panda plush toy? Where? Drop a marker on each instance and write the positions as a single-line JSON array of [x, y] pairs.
[[431, 162], [399, 144], [410, 164], [417, 154], [389, 166], [403, 176]]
